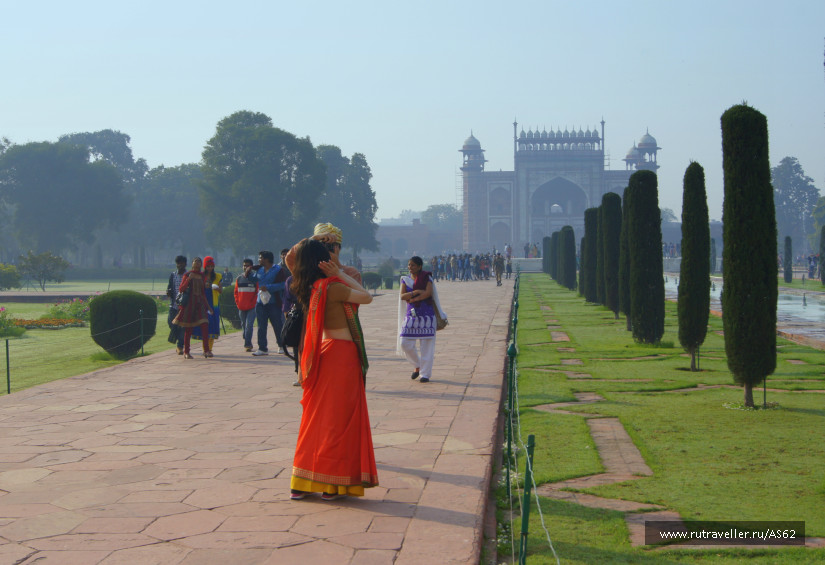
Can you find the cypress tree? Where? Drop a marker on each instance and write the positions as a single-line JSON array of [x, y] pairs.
[[624, 262], [545, 255], [611, 237], [591, 228], [750, 289], [582, 270], [559, 258], [600, 256], [644, 238], [694, 276], [552, 256], [567, 251], [787, 260]]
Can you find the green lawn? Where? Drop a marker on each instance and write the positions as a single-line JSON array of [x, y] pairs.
[[710, 460], [40, 355]]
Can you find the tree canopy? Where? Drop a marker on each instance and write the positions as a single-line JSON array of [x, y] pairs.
[[795, 197], [42, 267], [261, 185], [349, 201], [57, 196], [443, 217]]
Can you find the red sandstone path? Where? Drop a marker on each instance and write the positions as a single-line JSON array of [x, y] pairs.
[[161, 461]]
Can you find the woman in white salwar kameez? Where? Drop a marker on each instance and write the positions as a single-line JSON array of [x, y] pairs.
[[417, 319]]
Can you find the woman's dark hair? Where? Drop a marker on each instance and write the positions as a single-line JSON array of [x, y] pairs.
[[308, 253], [417, 260]]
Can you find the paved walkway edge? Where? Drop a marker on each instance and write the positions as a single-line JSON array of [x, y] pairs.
[[462, 475]]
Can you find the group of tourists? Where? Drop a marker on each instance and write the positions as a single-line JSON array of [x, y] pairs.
[[463, 267], [194, 307], [334, 455]]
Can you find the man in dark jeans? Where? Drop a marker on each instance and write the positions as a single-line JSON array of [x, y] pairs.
[[172, 287], [268, 308]]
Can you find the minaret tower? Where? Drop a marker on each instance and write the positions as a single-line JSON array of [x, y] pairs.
[[474, 203]]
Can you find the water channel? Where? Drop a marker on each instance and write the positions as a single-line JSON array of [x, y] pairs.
[[798, 312]]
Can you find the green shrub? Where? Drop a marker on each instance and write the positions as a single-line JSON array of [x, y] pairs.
[[7, 327], [229, 310], [115, 321], [387, 268], [371, 281], [9, 277]]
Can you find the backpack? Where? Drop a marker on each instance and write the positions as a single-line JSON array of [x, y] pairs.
[[293, 326]]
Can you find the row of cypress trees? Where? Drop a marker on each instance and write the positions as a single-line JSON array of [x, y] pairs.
[[560, 252], [621, 262]]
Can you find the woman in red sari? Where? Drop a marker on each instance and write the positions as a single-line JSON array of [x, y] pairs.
[[334, 454], [195, 313]]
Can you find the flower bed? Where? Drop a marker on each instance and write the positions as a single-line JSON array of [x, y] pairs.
[[49, 323]]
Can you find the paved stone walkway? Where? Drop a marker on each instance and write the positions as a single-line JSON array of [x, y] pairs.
[[163, 461]]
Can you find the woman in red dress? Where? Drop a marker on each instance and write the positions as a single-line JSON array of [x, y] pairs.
[[334, 454], [195, 312]]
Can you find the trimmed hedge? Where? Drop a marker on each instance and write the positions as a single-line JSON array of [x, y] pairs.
[[115, 321]]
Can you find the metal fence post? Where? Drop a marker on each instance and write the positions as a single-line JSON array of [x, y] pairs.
[[140, 313], [511, 353], [8, 369], [525, 506]]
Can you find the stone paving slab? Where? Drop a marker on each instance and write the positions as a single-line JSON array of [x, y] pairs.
[[166, 461]]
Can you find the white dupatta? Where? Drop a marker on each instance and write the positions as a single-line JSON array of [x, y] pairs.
[[408, 282]]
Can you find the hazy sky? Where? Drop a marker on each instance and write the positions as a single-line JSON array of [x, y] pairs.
[[405, 83]]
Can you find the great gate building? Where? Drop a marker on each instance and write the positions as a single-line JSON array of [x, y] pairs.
[[557, 175]]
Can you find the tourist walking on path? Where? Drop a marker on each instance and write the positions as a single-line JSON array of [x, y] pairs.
[[195, 312], [417, 319], [246, 297], [498, 267], [175, 331], [212, 281], [334, 454], [268, 306]]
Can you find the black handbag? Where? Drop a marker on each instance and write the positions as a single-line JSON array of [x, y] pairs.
[[182, 299], [293, 326]]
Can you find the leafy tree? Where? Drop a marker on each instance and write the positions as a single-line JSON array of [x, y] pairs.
[[624, 262], [112, 147], [644, 237], [567, 260], [158, 212], [668, 216], [611, 239], [749, 254], [787, 260], [43, 267], [349, 201], [59, 198], [694, 276], [9, 277], [795, 197], [591, 236], [261, 185], [443, 217]]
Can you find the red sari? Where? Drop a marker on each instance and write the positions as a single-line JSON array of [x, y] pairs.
[[334, 453]]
